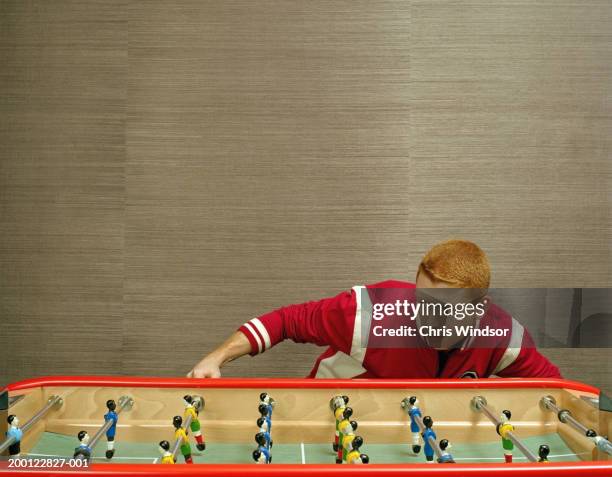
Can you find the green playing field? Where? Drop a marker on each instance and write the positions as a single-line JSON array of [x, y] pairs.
[[51, 444]]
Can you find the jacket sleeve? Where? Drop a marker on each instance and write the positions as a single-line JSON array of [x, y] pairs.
[[528, 362], [327, 322]]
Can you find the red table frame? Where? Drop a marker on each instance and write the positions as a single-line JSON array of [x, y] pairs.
[[597, 468]]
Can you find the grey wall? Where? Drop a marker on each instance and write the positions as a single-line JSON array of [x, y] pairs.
[[171, 169]]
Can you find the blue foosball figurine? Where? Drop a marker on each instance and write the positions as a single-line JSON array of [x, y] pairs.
[[427, 434], [261, 455], [83, 450], [15, 432], [111, 415], [446, 457], [411, 406], [262, 423], [267, 401]]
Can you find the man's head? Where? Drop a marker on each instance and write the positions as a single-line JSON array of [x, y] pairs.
[[454, 264], [455, 272]]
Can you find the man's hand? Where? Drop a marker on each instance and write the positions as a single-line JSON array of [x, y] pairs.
[[210, 367]]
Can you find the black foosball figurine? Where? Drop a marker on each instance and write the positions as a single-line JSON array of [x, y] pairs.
[[543, 452]]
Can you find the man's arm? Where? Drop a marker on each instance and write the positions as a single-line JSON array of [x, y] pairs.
[[528, 363], [327, 322], [235, 346]]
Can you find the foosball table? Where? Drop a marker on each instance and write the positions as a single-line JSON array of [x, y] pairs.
[[235, 427]]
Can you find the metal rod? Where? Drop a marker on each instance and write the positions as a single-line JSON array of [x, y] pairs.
[[479, 404], [548, 403], [125, 402], [603, 444], [54, 401]]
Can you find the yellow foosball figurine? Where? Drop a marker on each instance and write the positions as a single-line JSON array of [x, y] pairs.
[[164, 450], [502, 429], [181, 434], [345, 428], [353, 454], [338, 405], [192, 410], [360, 459]]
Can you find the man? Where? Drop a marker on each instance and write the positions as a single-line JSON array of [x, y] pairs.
[[338, 323]]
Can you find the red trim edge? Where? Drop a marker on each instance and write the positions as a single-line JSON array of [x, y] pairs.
[[283, 383], [591, 469]]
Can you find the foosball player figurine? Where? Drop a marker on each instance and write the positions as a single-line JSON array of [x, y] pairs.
[[446, 457], [195, 426], [361, 459], [83, 450], [543, 452], [265, 413], [263, 429], [164, 450], [264, 439], [337, 405], [262, 454], [502, 429], [347, 445], [266, 400], [111, 415], [180, 433], [427, 434], [15, 432], [411, 406], [344, 428], [353, 453]]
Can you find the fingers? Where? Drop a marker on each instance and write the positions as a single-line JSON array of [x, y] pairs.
[[200, 372], [193, 374]]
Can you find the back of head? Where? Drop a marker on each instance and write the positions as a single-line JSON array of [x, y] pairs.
[[459, 263]]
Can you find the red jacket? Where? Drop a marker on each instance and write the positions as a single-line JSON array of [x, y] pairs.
[[337, 323]]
